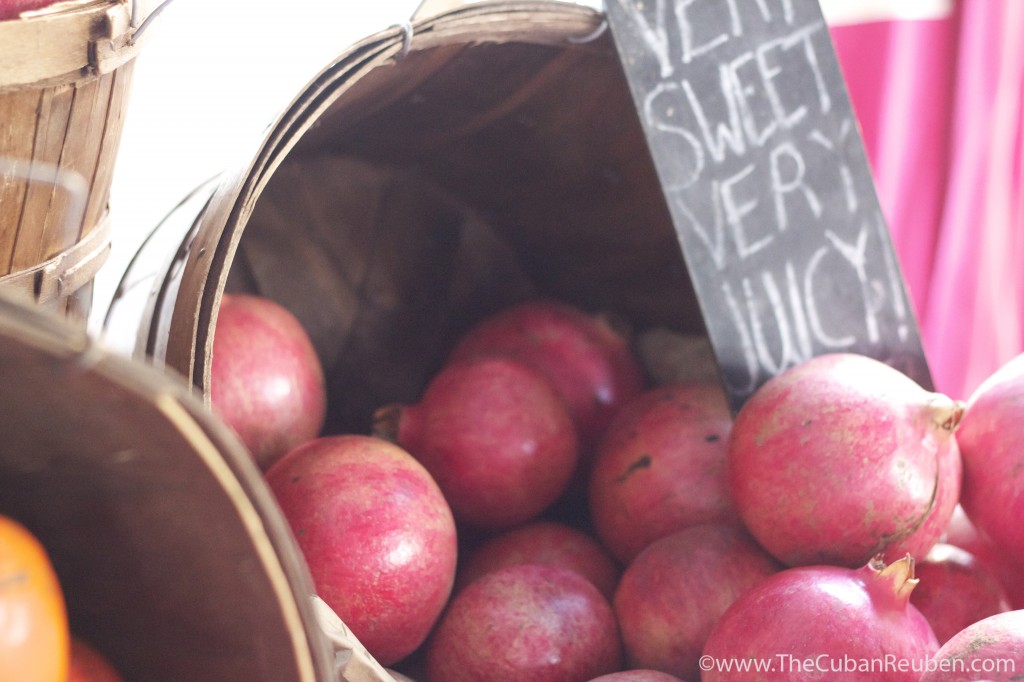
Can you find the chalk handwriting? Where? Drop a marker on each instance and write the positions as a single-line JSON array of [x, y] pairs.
[[760, 162]]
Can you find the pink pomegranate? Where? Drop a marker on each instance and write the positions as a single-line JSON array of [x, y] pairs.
[[637, 676], [495, 435], [990, 649], [955, 590], [11, 9], [532, 622], [377, 534], [543, 542], [993, 456], [589, 361], [947, 495], [266, 380], [676, 589], [820, 623], [841, 458], [963, 534], [661, 466]]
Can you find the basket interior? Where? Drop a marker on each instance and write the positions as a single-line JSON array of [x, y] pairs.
[[452, 181]]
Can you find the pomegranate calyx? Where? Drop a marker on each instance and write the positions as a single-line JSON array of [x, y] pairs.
[[945, 412], [386, 422], [898, 576]]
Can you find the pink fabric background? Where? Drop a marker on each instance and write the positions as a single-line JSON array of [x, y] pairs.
[[940, 107]]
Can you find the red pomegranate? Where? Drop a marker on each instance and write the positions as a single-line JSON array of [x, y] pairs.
[[638, 675], [266, 380], [991, 649], [495, 435], [588, 360], [11, 9], [963, 534], [525, 622], [543, 542], [672, 594], [993, 490], [823, 622], [955, 590], [661, 467], [377, 534], [841, 458]]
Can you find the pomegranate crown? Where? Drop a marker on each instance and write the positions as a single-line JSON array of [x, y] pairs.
[[898, 576]]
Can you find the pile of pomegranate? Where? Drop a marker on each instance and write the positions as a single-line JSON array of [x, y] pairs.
[[547, 510]]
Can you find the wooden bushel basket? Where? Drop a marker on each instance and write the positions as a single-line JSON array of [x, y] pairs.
[[173, 558], [65, 73], [430, 175]]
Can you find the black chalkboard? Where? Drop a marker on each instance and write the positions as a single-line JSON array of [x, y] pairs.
[[763, 171]]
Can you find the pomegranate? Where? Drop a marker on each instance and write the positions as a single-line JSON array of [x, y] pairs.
[[843, 457], [588, 360], [529, 622], [990, 649], [543, 542], [993, 492], [495, 435], [89, 665], [963, 534], [12, 9], [638, 675], [661, 466], [377, 534], [676, 589], [956, 590], [266, 381], [820, 622]]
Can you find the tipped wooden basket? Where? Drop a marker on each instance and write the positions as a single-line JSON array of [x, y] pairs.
[[173, 557], [65, 73], [430, 175]]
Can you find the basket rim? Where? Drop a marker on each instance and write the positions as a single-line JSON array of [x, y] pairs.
[[214, 445], [190, 323], [66, 42]]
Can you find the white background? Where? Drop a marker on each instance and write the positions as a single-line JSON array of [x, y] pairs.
[[210, 76]]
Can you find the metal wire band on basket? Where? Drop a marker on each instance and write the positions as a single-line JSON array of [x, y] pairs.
[[65, 46]]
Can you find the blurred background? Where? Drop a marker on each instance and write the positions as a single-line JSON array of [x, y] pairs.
[[937, 86]]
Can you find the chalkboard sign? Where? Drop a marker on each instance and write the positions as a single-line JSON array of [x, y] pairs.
[[764, 174]]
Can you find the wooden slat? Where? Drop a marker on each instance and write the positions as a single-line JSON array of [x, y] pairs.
[[17, 138], [78, 154], [118, 85], [89, 148], [74, 127], [65, 42], [33, 245]]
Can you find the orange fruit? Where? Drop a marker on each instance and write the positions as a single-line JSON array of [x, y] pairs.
[[34, 635]]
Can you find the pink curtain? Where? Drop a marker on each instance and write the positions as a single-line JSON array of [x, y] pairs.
[[940, 101]]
